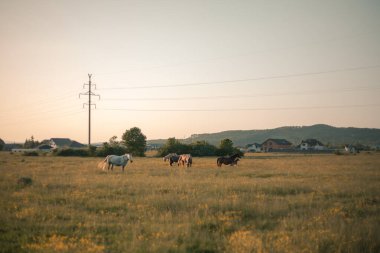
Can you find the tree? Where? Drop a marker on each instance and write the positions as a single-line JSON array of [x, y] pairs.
[[113, 147], [173, 146], [113, 141], [135, 141], [170, 146], [226, 147], [202, 148], [31, 143], [2, 144]]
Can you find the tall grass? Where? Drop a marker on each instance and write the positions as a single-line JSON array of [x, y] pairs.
[[269, 203]]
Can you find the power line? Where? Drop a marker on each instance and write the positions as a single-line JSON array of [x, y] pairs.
[[243, 109], [243, 96], [245, 80], [246, 54], [40, 117]]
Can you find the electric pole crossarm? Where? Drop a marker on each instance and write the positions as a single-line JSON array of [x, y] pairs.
[[88, 93]]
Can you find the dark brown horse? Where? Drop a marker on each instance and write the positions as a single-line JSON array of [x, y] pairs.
[[172, 157], [230, 160]]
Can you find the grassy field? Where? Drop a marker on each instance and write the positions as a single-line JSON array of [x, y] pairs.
[[269, 203]]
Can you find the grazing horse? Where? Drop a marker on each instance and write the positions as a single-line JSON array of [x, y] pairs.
[[231, 160], [172, 157], [112, 160], [185, 159]]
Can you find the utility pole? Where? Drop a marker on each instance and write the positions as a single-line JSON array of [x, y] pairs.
[[89, 104]]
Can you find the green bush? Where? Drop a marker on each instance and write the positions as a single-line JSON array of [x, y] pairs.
[[199, 148], [108, 149], [30, 153], [72, 152], [173, 146], [24, 181], [202, 148]]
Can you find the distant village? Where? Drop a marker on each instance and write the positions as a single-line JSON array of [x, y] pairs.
[[308, 145], [269, 145], [45, 146]]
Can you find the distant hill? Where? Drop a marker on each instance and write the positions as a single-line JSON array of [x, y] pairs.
[[324, 133]]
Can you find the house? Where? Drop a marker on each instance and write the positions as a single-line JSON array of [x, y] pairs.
[[44, 148], [11, 146], [275, 145], [255, 147], [64, 143], [311, 144], [40, 148]]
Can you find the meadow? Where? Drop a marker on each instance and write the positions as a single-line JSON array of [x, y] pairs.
[[268, 203]]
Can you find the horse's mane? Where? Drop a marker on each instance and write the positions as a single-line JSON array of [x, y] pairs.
[[235, 155]]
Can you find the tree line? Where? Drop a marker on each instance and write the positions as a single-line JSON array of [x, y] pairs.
[[133, 141], [198, 148]]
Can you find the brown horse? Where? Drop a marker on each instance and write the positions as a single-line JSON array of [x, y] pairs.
[[185, 159]]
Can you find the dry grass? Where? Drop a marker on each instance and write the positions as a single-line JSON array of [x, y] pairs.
[[269, 203]]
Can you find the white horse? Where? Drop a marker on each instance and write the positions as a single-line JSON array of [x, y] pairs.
[[112, 160]]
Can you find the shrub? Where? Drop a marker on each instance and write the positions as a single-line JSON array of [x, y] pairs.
[[30, 153], [24, 181], [72, 152], [174, 146], [202, 148], [107, 149]]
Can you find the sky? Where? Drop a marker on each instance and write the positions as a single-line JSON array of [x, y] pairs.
[[174, 68]]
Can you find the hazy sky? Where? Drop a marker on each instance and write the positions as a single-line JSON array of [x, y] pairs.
[[175, 68]]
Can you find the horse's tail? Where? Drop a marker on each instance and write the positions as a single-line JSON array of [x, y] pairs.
[[100, 165]]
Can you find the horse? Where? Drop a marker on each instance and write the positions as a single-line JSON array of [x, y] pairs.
[[172, 157], [112, 160], [231, 160], [185, 159]]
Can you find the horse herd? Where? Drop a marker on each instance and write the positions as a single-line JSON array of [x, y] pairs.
[[184, 159]]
